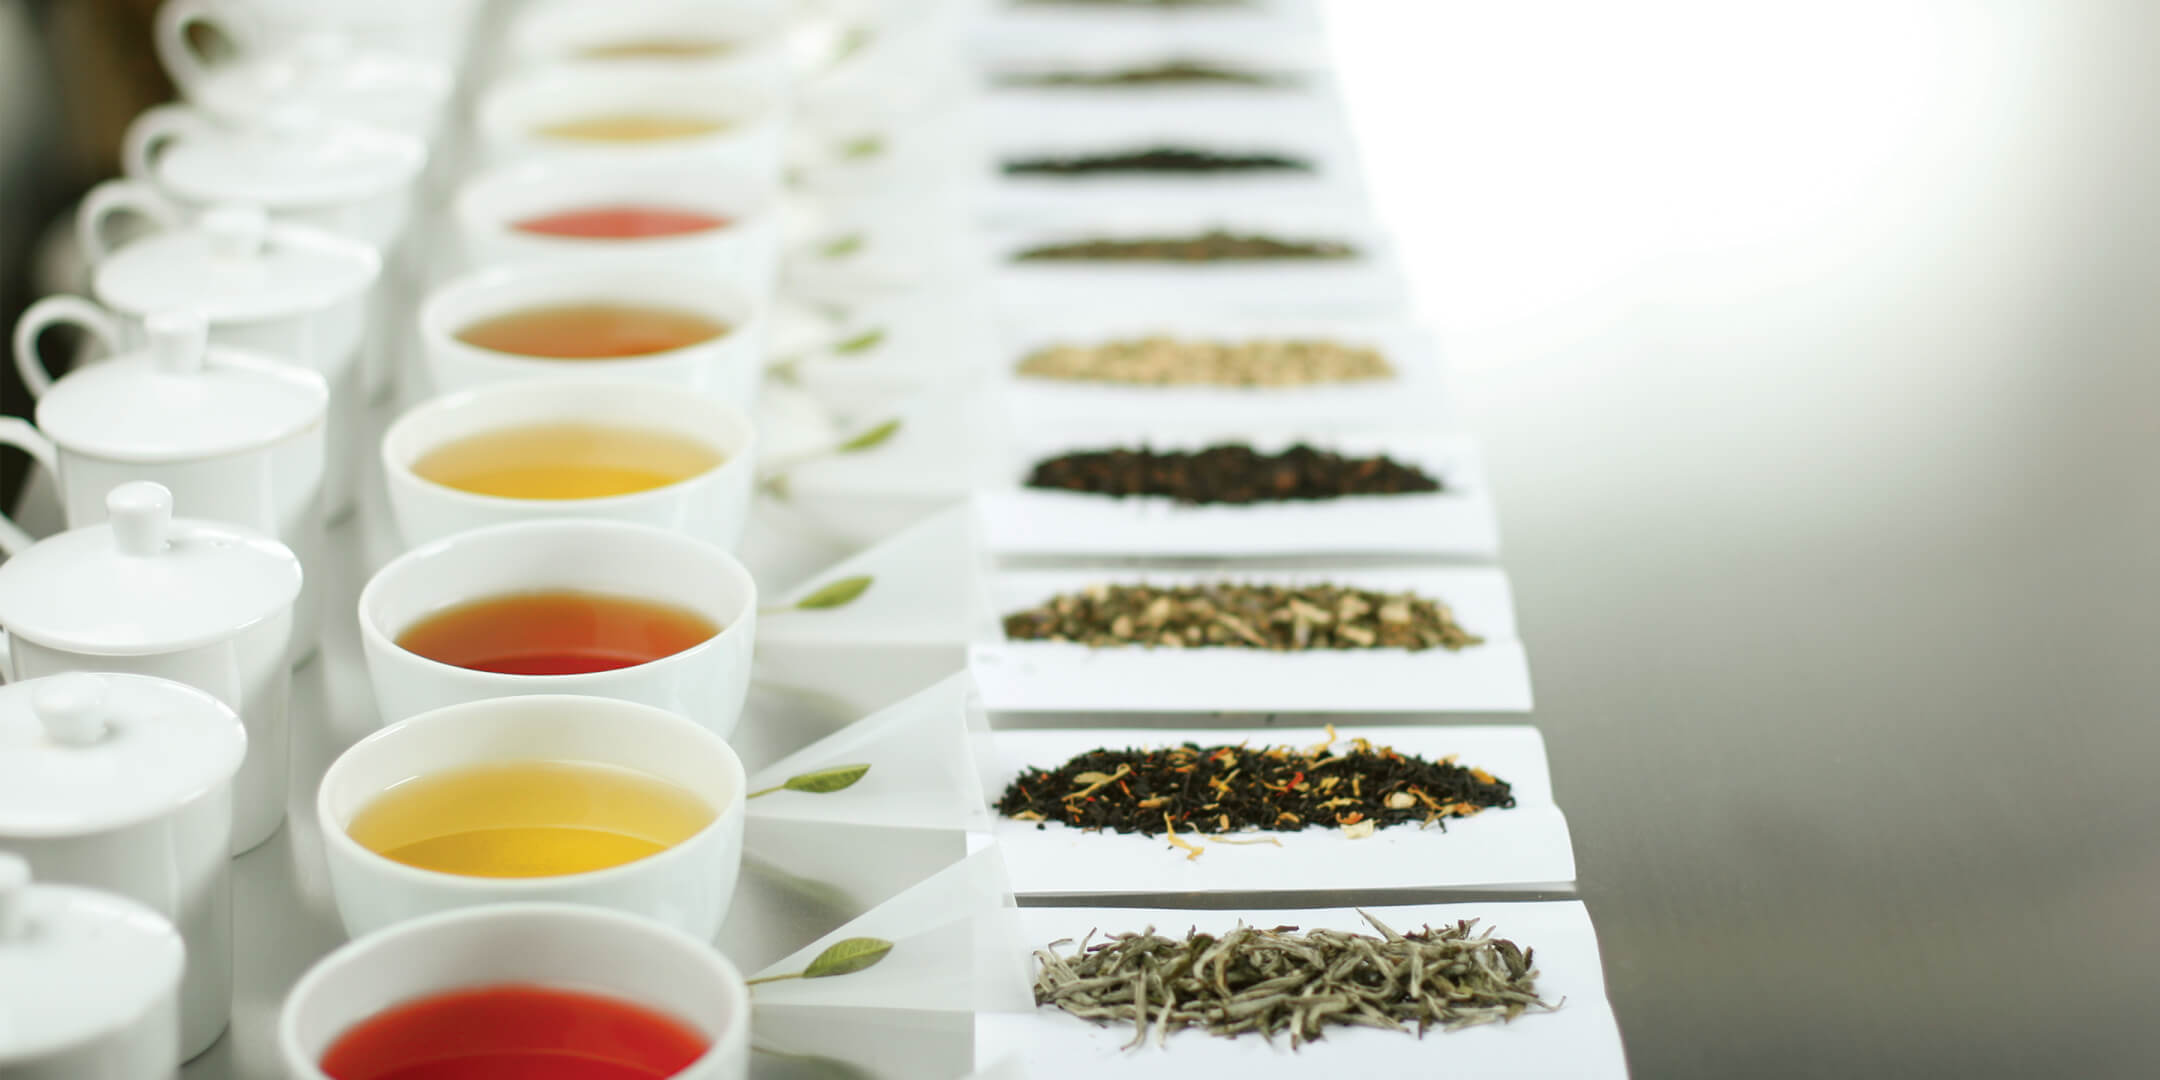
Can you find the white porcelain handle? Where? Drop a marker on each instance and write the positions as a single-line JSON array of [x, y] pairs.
[[189, 71], [115, 198], [53, 311], [17, 432]]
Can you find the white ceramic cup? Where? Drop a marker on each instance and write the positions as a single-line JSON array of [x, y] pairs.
[[535, 944], [687, 886], [490, 205], [706, 682], [713, 505], [729, 365], [747, 106]]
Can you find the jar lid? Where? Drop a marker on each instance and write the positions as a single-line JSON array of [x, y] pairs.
[[76, 964], [180, 399], [83, 753], [285, 158], [233, 265], [329, 73], [145, 582]]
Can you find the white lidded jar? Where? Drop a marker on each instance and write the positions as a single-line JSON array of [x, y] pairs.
[[296, 293], [124, 783], [197, 602], [236, 436], [89, 983]]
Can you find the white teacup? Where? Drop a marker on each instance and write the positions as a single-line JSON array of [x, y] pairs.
[[534, 944], [490, 205], [746, 105], [687, 886], [729, 365], [713, 505], [706, 682]]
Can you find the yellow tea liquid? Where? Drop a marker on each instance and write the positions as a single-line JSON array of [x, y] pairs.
[[657, 49], [591, 331], [565, 461], [529, 819], [632, 127]]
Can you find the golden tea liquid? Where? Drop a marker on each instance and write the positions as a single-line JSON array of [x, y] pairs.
[[556, 632], [657, 49], [632, 127], [529, 819], [591, 331], [566, 461]]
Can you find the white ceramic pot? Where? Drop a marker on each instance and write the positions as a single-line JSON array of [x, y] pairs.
[[747, 107], [490, 205], [89, 983], [713, 505], [295, 293], [547, 944], [197, 602], [124, 783], [321, 70], [730, 365], [237, 437], [706, 682], [687, 886]]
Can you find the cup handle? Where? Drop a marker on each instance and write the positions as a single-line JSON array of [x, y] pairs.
[[17, 432], [52, 311], [114, 198], [189, 69]]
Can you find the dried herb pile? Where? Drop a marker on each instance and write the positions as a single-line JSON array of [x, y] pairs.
[[1228, 615], [1160, 159], [1215, 245], [1166, 361], [1282, 981], [1230, 473], [1167, 73], [1227, 789]]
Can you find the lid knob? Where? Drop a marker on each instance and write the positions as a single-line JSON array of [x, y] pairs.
[[14, 895], [236, 231], [178, 340], [71, 708], [141, 515]]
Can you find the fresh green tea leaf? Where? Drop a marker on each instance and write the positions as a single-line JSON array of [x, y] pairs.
[[862, 342], [848, 957], [874, 437], [837, 594], [824, 781]]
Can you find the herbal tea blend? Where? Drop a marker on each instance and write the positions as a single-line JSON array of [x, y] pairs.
[[1166, 361], [1227, 789], [1230, 473], [1169, 72], [1275, 617], [1215, 245], [1161, 159], [1281, 980]]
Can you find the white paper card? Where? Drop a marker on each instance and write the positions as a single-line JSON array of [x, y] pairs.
[[1578, 1041], [1037, 676], [1522, 845], [920, 753], [1456, 522]]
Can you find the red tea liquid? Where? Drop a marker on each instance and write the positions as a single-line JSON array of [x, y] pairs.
[[621, 223], [555, 633], [514, 1033]]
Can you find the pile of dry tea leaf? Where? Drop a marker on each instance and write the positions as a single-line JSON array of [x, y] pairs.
[[1166, 73], [1230, 473], [1225, 789], [1282, 981], [1168, 361], [1161, 159], [1213, 246], [1231, 615]]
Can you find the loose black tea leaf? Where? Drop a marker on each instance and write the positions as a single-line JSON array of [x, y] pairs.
[[1166, 361], [1231, 473], [1167, 73], [1215, 245], [1276, 617], [1161, 159], [1281, 980], [1228, 789]]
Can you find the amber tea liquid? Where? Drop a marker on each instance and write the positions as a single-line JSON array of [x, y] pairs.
[[632, 127], [559, 632], [566, 461], [599, 331]]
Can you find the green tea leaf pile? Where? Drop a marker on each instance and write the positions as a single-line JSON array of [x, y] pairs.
[[1231, 615]]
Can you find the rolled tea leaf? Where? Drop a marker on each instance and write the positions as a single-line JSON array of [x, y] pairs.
[[847, 957], [838, 594], [869, 439]]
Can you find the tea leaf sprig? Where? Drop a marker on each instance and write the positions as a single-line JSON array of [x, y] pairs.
[[841, 958], [775, 483], [818, 782], [840, 593], [789, 369]]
